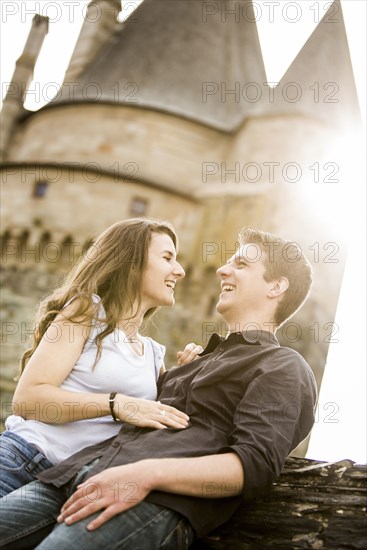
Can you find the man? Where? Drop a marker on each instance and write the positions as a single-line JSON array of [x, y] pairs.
[[250, 402]]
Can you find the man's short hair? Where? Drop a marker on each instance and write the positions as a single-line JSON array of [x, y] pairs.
[[282, 258]]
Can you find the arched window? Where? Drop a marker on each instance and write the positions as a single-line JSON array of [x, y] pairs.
[[22, 243]]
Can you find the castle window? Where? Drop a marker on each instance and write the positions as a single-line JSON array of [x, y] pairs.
[[39, 189], [22, 243], [138, 206]]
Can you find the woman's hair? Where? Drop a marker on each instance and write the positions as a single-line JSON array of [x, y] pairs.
[[112, 268]]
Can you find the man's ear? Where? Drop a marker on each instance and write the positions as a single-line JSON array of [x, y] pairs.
[[278, 287]]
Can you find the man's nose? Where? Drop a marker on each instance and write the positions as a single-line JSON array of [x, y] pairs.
[[223, 271]]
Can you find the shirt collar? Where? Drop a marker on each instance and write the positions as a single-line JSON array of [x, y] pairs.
[[260, 337], [252, 337]]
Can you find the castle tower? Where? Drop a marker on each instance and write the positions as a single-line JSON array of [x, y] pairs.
[[176, 56], [23, 74], [320, 81], [99, 23]]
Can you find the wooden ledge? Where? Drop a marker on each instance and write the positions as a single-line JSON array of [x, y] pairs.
[[314, 504]]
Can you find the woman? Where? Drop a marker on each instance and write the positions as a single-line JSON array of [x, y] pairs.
[[89, 367]]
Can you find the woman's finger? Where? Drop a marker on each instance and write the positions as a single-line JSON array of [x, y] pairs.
[[171, 419], [193, 354], [165, 409], [189, 354], [168, 422]]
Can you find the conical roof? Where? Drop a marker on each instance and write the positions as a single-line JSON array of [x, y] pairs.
[[202, 60], [187, 57], [320, 81]]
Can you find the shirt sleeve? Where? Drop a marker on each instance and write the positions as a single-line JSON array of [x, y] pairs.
[[159, 351], [274, 416], [97, 324]]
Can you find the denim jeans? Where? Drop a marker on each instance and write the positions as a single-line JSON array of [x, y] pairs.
[[20, 462], [28, 518]]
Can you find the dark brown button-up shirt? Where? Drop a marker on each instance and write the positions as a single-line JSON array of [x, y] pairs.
[[245, 394]]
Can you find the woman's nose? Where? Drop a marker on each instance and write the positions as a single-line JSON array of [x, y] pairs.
[[179, 271]]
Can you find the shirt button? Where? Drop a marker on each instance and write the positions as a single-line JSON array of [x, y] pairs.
[[221, 349], [115, 444]]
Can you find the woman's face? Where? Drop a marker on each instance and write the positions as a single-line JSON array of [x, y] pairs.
[[161, 273]]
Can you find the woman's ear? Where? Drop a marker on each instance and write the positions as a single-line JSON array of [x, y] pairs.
[[278, 287]]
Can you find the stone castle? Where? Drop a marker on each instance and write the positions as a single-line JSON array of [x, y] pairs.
[[169, 115]]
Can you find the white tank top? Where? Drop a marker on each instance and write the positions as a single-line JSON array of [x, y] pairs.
[[119, 369]]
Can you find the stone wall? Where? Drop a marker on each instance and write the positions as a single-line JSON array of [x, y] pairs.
[[80, 203]]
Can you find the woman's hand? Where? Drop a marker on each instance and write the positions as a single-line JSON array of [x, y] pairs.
[[144, 413], [190, 353]]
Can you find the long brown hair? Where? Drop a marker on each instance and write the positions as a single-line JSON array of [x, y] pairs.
[[111, 268]]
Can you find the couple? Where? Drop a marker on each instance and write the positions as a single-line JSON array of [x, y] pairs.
[[228, 419]]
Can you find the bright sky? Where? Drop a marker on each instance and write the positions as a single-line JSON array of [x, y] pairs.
[[284, 26]]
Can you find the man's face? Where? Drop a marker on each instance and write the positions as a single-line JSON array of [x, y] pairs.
[[244, 289]]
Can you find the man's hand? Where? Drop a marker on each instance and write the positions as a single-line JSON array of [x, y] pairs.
[[118, 489], [190, 353], [114, 490]]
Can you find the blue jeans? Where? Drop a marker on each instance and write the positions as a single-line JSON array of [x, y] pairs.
[[28, 518], [20, 462]]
